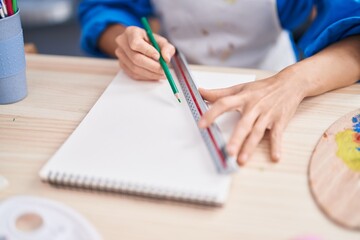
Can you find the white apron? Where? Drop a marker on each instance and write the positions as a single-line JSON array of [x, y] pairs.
[[234, 33]]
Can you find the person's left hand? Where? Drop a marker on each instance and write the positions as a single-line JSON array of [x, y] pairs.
[[268, 104]]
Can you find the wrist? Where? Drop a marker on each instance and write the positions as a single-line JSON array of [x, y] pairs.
[[334, 67], [298, 79], [107, 41]]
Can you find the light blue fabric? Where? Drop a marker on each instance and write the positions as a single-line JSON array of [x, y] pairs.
[[13, 85], [336, 19]]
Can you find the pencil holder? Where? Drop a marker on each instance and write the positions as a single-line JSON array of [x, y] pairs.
[[13, 85]]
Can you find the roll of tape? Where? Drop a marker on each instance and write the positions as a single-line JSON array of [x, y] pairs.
[[34, 218]]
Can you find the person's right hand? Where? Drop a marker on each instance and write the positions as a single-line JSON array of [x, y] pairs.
[[138, 58]]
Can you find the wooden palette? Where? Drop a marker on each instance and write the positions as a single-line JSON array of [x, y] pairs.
[[335, 182]]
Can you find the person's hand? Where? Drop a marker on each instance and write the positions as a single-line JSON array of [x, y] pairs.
[[138, 58], [268, 104]]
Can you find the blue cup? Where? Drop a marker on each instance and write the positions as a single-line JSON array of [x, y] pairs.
[[13, 87]]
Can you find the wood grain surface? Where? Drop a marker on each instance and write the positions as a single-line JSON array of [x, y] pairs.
[[267, 201]]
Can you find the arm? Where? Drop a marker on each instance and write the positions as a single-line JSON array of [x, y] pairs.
[[269, 104], [96, 16], [107, 43], [336, 66], [332, 46]]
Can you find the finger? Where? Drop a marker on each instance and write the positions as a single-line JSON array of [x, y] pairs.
[[136, 76], [167, 49], [213, 95], [241, 131], [145, 62], [275, 141], [138, 42], [121, 57], [253, 139], [127, 71], [219, 107], [134, 71], [141, 59]]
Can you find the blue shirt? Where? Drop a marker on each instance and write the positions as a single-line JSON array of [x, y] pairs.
[[335, 20]]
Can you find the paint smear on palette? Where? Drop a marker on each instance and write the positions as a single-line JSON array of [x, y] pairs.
[[348, 142]]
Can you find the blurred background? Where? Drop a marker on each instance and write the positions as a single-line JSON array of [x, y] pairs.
[[51, 26]]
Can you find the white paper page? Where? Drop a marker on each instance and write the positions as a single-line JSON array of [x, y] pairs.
[[214, 80], [139, 135]]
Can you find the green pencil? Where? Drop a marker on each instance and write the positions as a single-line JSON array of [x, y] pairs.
[[14, 4], [162, 61]]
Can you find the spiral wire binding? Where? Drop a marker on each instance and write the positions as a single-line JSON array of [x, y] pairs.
[[107, 185]]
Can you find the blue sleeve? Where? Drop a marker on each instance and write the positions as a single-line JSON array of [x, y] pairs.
[[293, 13], [96, 15], [335, 20]]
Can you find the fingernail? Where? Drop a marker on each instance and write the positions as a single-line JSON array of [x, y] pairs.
[[202, 123], [276, 157], [243, 158]]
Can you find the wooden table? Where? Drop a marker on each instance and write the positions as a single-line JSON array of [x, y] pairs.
[[267, 201]]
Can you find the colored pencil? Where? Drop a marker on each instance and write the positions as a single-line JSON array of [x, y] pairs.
[[162, 61], [9, 8], [4, 8], [2, 14], [14, 5]]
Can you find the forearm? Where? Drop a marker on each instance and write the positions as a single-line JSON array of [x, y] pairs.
[[107, 42], [334, 67]]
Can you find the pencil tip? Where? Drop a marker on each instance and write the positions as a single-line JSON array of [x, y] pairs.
[[177, 97]]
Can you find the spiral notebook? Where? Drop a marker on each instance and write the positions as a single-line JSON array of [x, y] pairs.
[[138, 139]]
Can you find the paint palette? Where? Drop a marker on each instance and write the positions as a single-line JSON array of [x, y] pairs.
[[35, 218], [334, 171]]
